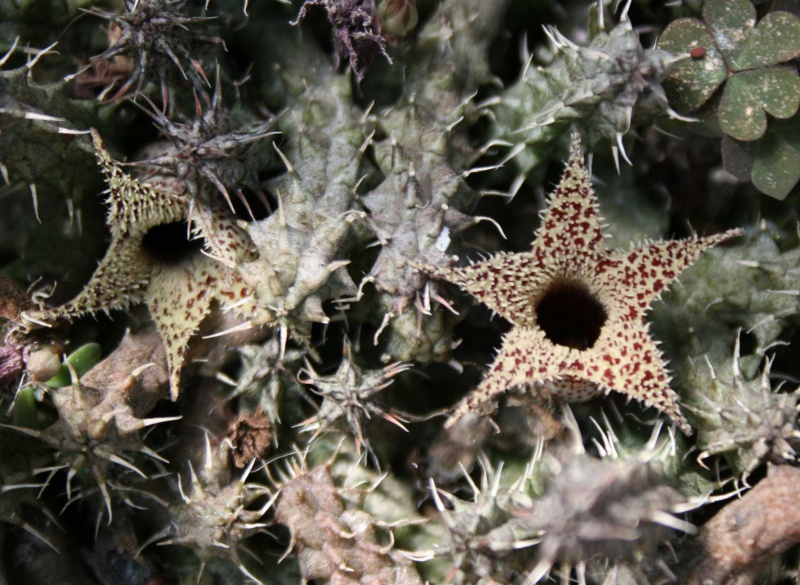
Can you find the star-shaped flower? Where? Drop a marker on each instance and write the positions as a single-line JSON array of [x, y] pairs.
[[177, 290], [577, 308]]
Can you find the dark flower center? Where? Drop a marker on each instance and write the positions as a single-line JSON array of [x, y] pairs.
[[170, 243], [570, 315]]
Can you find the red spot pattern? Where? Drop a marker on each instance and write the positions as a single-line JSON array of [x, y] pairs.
[[179, 297], [570, 245]]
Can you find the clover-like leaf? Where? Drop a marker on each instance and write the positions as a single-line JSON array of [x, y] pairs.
[[772, 163], [750, 95], [776, 169], [730, 22], [775, 40], [730, 46], [692, 82]]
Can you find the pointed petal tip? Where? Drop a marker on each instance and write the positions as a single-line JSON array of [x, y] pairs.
[[575, 150]]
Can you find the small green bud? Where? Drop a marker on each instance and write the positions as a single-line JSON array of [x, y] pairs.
[[44, 363], [398, 17]]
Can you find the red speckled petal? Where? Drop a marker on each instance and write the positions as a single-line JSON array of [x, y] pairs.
[[134, 206], [179, 298], [626, 359], [503, 283], [121, 279], [526, 357], [638, 276], [569, 254], [570, 238]]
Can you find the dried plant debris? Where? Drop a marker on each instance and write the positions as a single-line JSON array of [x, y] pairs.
[[148, 39], [577, 308], [356, 31], [12, 362], [251, 436], [13, 299]]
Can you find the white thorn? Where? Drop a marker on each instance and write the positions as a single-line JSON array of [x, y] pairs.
[[736, 350], [35, 198], [10, 52], [623, 17], [622, 150], [285, 160], [185, 499], [148, 422], [120, 461], [480, 218], [671, 521]]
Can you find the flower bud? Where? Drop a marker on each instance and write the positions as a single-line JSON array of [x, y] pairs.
[[44, 363], [398, 17]]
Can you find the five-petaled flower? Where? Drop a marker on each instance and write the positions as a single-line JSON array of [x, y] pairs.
[[577, 308], [178, 290]]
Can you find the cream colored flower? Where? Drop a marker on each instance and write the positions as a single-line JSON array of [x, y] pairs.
[[577, 308]]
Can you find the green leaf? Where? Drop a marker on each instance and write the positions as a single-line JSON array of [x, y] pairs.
[[708, 118], [25, 408], [692, 81], [749, 95], [82, 360], [737, 157], [781, 96], [775, 40], [730, 21], [777, 166]]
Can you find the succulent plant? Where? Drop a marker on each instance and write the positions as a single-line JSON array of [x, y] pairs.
[[595, 88], [233, 348], [348, 397], [751, 423], [148, 37], [568, 510], [356, 32], [336, 542]]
